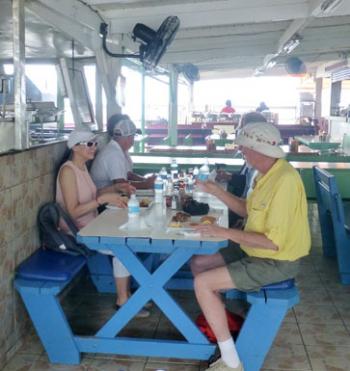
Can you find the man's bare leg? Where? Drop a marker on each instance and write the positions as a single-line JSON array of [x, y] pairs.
[[207, 286], [202, 263]]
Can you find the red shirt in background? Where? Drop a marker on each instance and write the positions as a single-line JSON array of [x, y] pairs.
[[228, 109]]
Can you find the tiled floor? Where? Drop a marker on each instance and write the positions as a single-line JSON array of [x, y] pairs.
[[314, 336]]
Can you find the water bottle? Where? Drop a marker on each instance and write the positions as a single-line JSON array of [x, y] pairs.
[[346, 144], [174, 202], [174, 170], [158, 190], [133, 207], [133, 213], [189, 185], [203, 174], [163, 174], [195, 172]]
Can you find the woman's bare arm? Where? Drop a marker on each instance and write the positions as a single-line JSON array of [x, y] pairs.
[[70, 194]]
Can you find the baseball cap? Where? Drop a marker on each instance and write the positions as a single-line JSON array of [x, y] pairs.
[[261, 137], [124, 128], [77, 136]]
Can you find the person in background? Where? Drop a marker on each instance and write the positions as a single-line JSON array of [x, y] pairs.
[[228, 108], [240, 182], [77, 194], [275, 237], [262, 107], [113, 163]]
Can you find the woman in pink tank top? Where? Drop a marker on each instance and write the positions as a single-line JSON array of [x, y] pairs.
[[75, 191], [77, 194]]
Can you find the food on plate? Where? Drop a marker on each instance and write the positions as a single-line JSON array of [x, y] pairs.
[[145, 202], [181, 217], [174, 224], [207, 219], [193, 224]]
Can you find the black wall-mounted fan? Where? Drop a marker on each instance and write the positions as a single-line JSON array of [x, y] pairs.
[[295, 66], [153, 43]]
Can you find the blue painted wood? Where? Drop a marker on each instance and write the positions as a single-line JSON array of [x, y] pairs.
[[176, 283], [138, 242], [50, 265], [179, 318], [277, 286], [101, 273], [262, 323], [90, 240], [187, 243], [152, 287], [235, 294], [39, 280], [117, 241], [162, 246], [35, 286], [335, 235], [152, 280], [145, 347], [213, 247], [51, 326]]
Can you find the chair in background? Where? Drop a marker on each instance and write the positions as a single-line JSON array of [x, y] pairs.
[[188, 141], [335, 234]]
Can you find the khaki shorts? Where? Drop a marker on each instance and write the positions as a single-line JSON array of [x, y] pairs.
[[250, 274]]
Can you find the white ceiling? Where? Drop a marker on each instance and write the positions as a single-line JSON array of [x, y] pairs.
[[221, 37]]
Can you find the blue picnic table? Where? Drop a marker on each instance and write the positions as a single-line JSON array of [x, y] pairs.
[[46, 274], [111, 232]]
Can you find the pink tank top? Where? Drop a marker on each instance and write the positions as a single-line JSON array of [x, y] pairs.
[[86, 193]]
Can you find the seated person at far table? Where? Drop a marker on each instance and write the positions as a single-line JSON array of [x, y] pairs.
[[113, 163], [239, 182], [228, 107], [77, 194], [275, 237], [262, 107]]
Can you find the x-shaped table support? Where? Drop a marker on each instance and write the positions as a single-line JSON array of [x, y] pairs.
[[151, 287]]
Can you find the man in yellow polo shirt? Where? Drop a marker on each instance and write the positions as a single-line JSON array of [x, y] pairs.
[[276, 235]]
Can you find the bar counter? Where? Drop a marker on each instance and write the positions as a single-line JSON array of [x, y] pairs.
[[304, 153], [151, 164]]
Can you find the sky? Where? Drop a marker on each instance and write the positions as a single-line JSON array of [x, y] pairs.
[[247, 92]]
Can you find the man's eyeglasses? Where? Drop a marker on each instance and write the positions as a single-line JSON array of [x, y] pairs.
[[88, 144]]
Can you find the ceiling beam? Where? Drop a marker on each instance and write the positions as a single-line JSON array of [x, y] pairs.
[[294, 28], [75, 10], [293, 31], [61, 16], [234, 29], [207, 14]]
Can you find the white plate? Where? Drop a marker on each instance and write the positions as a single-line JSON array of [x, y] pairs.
[[186, 226]]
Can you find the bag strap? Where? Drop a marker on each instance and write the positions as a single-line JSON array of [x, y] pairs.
[[73, 228]]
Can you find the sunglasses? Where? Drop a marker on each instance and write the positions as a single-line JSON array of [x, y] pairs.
[[88, 144]]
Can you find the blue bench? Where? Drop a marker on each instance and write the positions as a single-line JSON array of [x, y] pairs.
[[268, 308], [334, 230], [39, 280]]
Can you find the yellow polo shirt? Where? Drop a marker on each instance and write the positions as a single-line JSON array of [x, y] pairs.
[[277, 208]]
